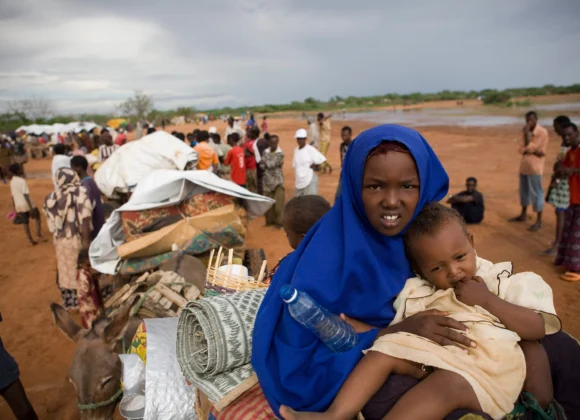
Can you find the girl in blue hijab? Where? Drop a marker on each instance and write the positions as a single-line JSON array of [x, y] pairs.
[[353, 262]]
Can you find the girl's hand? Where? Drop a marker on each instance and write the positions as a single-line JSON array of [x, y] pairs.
[[473, 292], [358, 326], [435, 326]]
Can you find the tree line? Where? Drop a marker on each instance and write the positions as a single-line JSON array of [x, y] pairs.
[[141, 105]]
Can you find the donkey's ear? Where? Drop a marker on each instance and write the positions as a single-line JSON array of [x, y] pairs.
[[115, 329], [64, 322]]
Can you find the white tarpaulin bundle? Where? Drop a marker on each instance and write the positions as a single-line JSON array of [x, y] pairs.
[[135, 160], [164, 188], [73, 127]]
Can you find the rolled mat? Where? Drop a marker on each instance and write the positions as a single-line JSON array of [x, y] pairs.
[[214, 344]]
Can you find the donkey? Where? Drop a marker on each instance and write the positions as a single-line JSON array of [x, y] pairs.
[[96, 368]]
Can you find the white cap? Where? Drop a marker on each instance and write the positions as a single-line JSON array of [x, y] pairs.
[[212, 130], [301, 134]]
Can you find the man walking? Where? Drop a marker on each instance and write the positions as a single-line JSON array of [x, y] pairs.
[[533, 149]]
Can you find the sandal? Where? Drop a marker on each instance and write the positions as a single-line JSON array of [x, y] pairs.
[[570, 276]]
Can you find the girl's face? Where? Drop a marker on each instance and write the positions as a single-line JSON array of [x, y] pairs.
[[390, 191]]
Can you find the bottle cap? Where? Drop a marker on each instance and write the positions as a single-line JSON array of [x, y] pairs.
[[288, 293]]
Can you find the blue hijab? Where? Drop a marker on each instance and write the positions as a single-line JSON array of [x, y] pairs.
[[346, 266]]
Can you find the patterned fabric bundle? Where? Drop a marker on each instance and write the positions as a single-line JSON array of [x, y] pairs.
[[135, 223], [214, 343], [227, 237]]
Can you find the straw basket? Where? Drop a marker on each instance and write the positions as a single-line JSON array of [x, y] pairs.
[[228, 282]]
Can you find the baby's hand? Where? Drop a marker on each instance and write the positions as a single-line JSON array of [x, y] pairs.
[[473, 292]]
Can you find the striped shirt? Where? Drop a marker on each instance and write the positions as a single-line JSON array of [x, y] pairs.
[[105, 152]]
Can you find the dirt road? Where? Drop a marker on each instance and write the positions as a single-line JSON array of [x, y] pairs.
[[27, 274]]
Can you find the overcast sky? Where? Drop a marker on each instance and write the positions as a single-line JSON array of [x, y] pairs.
[[89, 55]]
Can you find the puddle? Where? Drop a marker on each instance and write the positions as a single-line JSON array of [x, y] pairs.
[[425, 117], [452, 116], [558, 107]]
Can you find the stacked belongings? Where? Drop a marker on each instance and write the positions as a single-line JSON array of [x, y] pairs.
[[214, 335], [175, 212]]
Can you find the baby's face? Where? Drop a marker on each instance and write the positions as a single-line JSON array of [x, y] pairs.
[[446, 257]]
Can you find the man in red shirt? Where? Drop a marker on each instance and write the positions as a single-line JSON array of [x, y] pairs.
[[236, 159], [569, 249], [251, 166]]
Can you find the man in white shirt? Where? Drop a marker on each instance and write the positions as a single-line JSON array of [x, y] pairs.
[[307, 160], [60, 160]]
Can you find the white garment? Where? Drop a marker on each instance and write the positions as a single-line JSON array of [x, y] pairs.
[[303, 160], [235, 129], [54, 138], [257, 152], [59, 161], [18, 188], [496, 368]]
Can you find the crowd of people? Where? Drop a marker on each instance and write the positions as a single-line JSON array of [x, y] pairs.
[[403, 244], [563, 193]]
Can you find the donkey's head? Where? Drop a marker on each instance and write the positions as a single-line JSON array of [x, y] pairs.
[[95, 371]]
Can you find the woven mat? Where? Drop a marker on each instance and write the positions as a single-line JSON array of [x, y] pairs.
[[214, 344]]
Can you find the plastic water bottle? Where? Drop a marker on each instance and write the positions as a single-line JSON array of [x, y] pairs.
[[330, 328]]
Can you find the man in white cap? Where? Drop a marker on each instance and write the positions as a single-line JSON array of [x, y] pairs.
[[212, 131], [306, 162]]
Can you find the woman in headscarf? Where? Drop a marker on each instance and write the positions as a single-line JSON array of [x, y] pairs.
[[69, 216], [353, 262]]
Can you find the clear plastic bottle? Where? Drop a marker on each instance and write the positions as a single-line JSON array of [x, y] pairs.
[[330, 328]]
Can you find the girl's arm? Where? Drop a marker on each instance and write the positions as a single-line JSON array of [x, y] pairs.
[[526, 323]]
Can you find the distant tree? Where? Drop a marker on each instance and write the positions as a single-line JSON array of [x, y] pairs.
[[33, 109], [186, 111], [496, 98], [139, 105]]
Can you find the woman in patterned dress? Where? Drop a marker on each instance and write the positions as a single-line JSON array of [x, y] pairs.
[[69, 216], [559, 192]]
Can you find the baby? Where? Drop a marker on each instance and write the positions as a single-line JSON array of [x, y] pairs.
[[505, 314]]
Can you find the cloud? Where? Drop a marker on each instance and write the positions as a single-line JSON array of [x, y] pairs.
[[88, 56]]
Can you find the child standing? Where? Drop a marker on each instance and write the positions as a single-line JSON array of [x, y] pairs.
[[569, 249], [505, 313], [346, 135], [236, 160], [23, 205], [559, 192], [251, 165]]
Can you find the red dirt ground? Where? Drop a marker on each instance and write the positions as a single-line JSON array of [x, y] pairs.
[[27, 276]]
